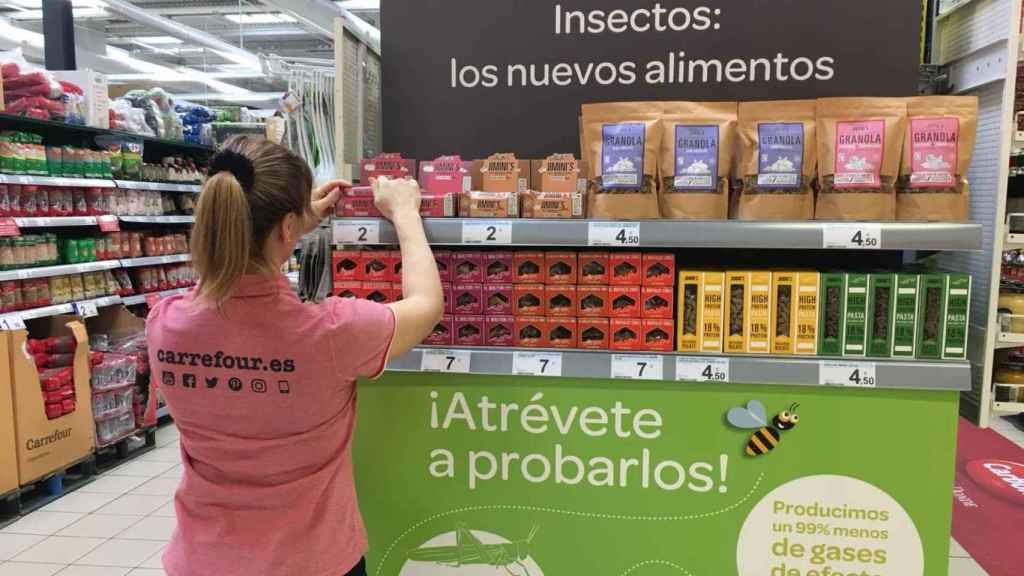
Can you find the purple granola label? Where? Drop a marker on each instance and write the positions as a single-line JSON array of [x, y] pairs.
[[781, 154], [696, 153], [622, 155]]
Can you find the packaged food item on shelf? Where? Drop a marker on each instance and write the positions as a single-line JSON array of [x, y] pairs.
[[475, 204], [446, 292], [438, 205], [860, 141], [498, 299], [445, 175], [659, 269], [497, 267], [620, 143], [502, 172], [558, 194], [593, 333], [528, 267], [529, 300], [855, 337], [107, 404], [625, 268], [777, 158], [561, 300], [712, 313], [831, 304], [736, 311], [391, 165], [593, 301], [468, 299], [626, 333], [805, 332], [469, 330], [932, 185], [695, 159], [531, 331], [881, 308], [379, 292], [905, 315], [624, 301], [958, 306], [467, 267], [560, 267], [562, 332], [442, 334], [443, 259], [783, 312], [657, 302], [932, 316], [657, 334], [114, 428], [353, 289], [376, 265], [690, 304], [499, 330], [759, 315], [357, 201], [593, 268], [346, 264]]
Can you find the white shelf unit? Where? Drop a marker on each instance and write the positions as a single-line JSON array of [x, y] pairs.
[[58, 309], [30, 180], [172, 219], [979, 41], [159, 186], [155, 260], [141, 298]]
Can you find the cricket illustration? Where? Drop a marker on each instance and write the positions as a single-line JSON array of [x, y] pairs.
[[469, 550]]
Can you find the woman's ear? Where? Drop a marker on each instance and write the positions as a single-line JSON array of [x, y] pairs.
[[291, 229]]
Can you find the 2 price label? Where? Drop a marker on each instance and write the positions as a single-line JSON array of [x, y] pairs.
[[487, 232], [356, 232], [86, 309]]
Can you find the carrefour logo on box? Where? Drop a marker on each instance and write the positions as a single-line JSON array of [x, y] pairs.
[[1002, 478]]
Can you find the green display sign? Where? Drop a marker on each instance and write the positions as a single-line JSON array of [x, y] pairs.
[[462, 475]]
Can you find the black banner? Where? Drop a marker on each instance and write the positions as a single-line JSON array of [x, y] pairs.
[[474, 77]]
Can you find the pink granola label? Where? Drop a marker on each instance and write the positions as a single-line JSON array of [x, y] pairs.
[[933, 152], [859, 147]]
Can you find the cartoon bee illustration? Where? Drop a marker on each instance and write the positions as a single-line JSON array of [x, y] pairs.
[[767, 436]]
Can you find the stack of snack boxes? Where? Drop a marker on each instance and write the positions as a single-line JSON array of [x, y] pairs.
[[371, 274]]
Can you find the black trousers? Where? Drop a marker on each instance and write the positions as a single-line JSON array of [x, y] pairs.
[[358, 569]]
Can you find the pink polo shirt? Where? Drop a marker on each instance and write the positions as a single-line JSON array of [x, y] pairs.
[[263, 393]]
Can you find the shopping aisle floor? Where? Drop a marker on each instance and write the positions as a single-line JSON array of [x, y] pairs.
[[119, 524]]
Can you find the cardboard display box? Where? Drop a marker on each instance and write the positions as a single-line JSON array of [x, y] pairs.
[[593, 333], [593, 301], [8, 442], [46, 446]]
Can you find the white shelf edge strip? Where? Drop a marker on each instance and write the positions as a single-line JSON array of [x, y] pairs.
[[33, 180], [155, 260], [141, 298], [62, 221], [61, 270], [58, 309], [158, 186]]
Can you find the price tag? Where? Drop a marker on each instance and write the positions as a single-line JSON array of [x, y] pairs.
[[487, 232], [86, 309], [14, 322], [638, 367], [109, 223], [152, 299], [537, 363], [852, 236], [9, 227], [357, 232], [452, 361], [855, 374], [613, 234], [696, 369]]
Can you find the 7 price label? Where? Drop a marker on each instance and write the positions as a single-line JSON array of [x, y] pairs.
[[638, 367], [537, 363], [450, 361]]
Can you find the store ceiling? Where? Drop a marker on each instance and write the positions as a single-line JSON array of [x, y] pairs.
[[145, 43]]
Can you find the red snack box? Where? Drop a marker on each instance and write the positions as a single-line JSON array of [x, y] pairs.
[[592, 302], [389, 164], [469, 331], [438, 205], [396, 265], [467, 267], [444, 175], [593, 268], [624, 301], [396, 292], [499, 330], [657, 302], [626, 334], [446, 290], [346, 264], [377, 266], [531, 331], [528, 267], [498, 299], [560, 267], [658, 334], [68, 405], [659, 269], [54, 410], [443, 258], [593, 333], [624, 268], [378, 292], [348, 289], [528, 300], [560, 300], [497, 267], [357, 202], [442, 334], [562, 332], [468, 299]]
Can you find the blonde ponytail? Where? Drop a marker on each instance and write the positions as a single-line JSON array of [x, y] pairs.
[[221, 238]]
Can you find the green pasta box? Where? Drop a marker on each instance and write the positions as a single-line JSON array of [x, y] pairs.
[[958, 305], [905, 318], [931, 316], [881, 308], [831, 318], [856, 315]]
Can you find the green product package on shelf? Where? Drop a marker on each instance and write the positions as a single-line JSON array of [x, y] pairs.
[[831, 313], [932, 316], [958, 303], [881, 304], [855, 315], [905, 318]]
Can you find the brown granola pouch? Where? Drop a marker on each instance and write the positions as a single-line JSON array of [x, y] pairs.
[[695, 159], [620, 144], [932, 186], [778, 154], [859, 145]]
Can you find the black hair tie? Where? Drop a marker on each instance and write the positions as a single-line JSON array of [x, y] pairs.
[[240, 166]]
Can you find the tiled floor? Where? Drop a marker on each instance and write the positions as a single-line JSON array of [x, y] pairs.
[[119, 524]]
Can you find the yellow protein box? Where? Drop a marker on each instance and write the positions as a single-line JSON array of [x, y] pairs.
[[783, 312], [808, 288], [736, 311], [759, 312], [711, 319], [690, 306]]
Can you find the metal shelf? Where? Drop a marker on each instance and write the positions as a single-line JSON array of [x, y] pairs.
[[64, 269], [48, 128], [157, 219], [743, 369], [54, 181], [1008, 407], [159, 186], [55, 221], [702, 233], [155, 260], [141, 298], [58, 309]]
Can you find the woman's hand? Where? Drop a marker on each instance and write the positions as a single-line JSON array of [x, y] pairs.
[[396, 199], [322, 201]]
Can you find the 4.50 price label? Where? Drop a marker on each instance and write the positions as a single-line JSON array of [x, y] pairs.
[[852, 236], [537, 363], [450, 361], [613, 234], [696, 369], [357, 232], [638, 366], [855, 374]]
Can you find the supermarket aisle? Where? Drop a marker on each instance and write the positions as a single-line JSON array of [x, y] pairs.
[[119, 524]]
